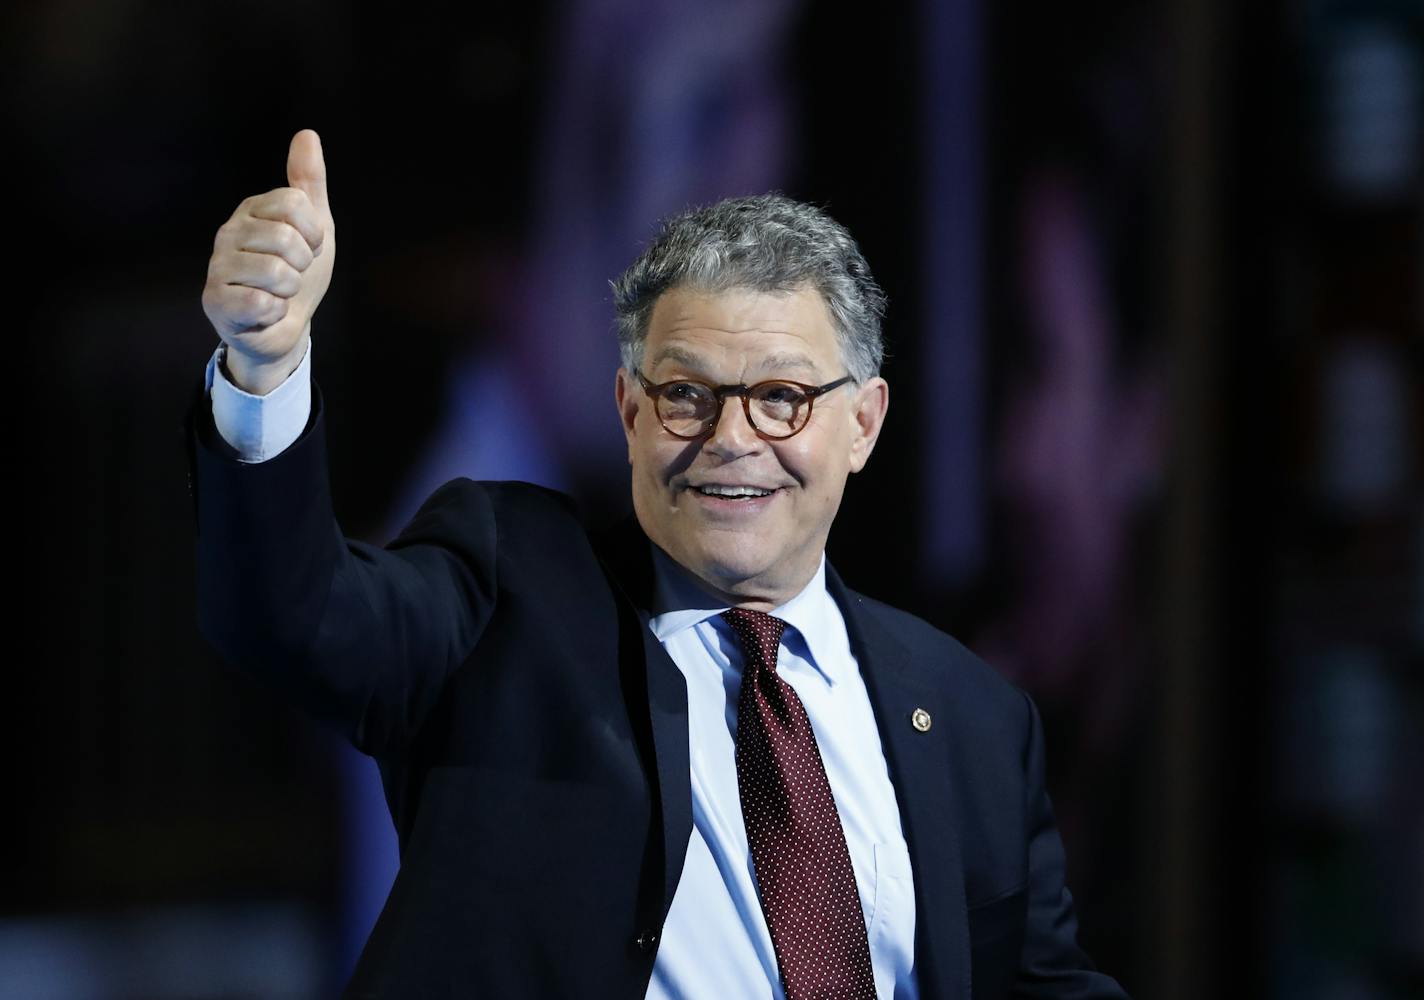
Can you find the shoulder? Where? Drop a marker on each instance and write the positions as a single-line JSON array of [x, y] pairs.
[[941, 661], [503, 496], [505, 516], [505, 501]]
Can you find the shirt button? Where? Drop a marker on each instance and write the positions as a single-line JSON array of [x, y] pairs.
[[647, 940]]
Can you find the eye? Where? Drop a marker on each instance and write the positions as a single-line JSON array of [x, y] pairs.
[[685, 391], [781, 393]]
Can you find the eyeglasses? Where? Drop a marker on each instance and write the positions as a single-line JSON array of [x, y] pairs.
[[776, 409]]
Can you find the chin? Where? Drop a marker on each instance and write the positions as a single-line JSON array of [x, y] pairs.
[[729, 572]]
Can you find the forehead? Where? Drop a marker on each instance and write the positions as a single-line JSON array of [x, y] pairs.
[[743, 330]]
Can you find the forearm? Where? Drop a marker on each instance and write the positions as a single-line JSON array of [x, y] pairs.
[[358, 636]]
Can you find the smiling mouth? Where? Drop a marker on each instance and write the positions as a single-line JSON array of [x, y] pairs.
[[733, 492]]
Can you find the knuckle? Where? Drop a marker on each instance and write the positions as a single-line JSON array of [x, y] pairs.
[[293, 200], [215, 295], [226, 305], [293, 246], [250, 302], [286, 276]]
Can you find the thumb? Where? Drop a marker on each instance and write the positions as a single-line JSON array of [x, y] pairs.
[[306, 168]]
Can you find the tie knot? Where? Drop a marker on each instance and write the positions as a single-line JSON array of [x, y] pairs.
[[759, 632]]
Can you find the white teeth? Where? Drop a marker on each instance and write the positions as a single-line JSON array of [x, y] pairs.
[[733, 491]]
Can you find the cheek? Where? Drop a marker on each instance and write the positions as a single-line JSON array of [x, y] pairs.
[[644, 471], [653, 466], [798, 458], [817, 462]]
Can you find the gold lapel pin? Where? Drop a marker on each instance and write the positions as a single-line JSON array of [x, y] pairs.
[[921, 720]]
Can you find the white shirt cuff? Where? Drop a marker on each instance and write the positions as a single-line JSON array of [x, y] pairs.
[[260, 427]]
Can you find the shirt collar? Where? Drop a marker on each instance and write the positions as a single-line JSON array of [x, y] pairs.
[[680, 603]]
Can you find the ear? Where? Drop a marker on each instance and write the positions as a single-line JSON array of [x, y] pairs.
[[872, 401], [628, 398]]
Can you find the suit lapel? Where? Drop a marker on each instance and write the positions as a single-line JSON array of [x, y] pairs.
[[920, 772], [626, 554], [667, 705]]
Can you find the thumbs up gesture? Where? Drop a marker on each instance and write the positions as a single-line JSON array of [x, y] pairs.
[[270, 267]]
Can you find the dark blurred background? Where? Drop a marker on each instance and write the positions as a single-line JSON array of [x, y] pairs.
[[1155, 272]]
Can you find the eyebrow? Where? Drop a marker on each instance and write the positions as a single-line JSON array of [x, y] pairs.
[[771, 363]]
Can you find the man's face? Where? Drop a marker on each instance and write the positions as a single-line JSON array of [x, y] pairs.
[[755, 551]]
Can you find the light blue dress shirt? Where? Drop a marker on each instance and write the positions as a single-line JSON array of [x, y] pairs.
[[715, 943], [260, 427]]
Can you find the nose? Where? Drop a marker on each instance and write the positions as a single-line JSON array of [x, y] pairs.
[[732, 435]]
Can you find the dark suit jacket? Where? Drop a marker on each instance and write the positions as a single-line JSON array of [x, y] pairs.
[[496, 661]]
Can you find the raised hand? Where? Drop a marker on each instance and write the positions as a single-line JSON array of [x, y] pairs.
[[270, 267]]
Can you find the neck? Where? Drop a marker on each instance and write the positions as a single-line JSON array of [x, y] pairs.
[[749, 594]]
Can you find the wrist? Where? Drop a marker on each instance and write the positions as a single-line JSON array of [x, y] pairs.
[[259, 378]]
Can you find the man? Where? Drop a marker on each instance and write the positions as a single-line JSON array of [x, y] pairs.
[[678, 760]]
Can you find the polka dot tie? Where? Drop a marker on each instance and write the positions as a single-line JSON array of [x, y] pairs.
[[798, 847]]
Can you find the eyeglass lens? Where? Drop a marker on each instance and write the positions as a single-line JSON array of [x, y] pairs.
[[777, 409]]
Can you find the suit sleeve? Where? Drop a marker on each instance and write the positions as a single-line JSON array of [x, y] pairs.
[[359, 636], [1052, 964]]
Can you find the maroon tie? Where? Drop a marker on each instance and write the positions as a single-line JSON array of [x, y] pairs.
[[798, 847]]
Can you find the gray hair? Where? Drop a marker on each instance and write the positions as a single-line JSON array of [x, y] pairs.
[[767, 243]]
